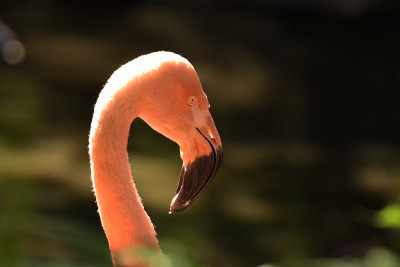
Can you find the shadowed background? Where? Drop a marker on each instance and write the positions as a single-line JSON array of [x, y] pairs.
[[305, 95]]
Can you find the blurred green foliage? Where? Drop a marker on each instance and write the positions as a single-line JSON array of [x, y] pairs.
[[389, 216]]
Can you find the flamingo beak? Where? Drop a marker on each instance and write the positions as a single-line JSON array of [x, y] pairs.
[[198, 173]]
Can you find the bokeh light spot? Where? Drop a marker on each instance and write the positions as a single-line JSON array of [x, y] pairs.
[[13, 52]]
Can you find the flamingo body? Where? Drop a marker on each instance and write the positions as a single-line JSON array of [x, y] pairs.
[[164, 90]]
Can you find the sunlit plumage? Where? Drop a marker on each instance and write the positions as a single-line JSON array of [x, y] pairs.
[[164, 90]]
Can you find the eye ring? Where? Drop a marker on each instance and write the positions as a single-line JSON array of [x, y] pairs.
[[192, 100]]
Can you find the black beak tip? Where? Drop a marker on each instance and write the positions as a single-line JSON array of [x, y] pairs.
[[195, 178], [177, 206]]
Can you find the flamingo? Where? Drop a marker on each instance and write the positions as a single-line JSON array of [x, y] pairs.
[[163, 89]]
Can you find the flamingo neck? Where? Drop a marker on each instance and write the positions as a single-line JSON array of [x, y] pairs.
[[123, 217]]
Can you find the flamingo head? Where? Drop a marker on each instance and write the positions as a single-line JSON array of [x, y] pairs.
[[177, 107]]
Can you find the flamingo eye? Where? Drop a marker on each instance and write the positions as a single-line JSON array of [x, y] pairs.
[[192, 100]]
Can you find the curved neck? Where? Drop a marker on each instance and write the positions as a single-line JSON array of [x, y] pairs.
[[123, 217]]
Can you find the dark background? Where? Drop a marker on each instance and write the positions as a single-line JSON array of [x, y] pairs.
[[305, 96]]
